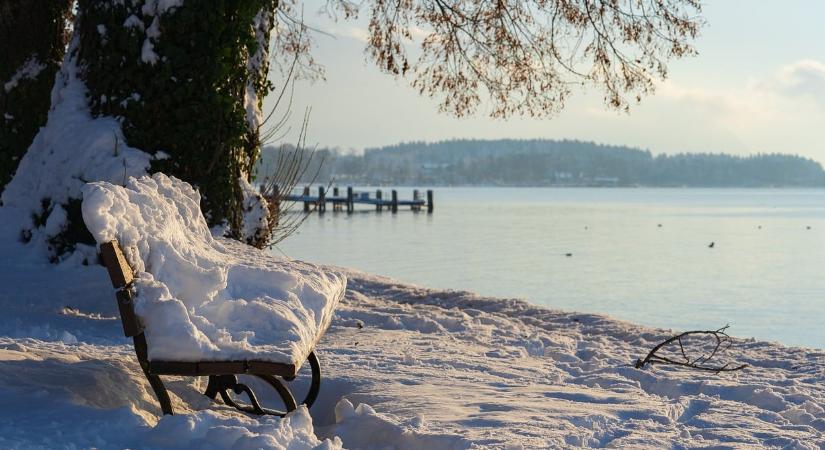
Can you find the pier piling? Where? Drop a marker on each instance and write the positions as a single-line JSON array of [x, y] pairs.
[[319, 202], [322, 200]]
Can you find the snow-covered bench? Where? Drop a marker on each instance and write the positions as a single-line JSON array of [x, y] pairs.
[[203, 306]]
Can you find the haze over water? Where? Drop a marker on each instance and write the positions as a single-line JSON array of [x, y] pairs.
[[763, 276]]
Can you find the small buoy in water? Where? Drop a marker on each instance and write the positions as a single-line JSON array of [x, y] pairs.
[[808, 227], [760, 227], [585, 227], [568, 254], [660, 225], [712, 244]]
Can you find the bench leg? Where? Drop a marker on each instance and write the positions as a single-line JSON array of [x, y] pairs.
[[283, 391], [221, 384], [315, 384], [160, 392], [154, 380], [315, 365]]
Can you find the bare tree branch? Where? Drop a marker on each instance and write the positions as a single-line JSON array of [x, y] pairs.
[[523, 57], [720, 342]]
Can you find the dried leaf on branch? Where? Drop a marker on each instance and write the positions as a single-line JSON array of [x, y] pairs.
[[520, 57]]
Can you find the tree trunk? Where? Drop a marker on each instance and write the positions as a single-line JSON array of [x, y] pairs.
[[33, 37]]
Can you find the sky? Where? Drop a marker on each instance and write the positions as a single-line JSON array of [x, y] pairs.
[[758, 85]]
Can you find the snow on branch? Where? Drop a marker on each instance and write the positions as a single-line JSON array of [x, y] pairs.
[[29, 70]]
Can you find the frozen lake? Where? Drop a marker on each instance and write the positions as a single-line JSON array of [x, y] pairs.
[[764, 276]]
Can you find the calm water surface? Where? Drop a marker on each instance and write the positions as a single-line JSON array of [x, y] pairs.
[[764, 276]]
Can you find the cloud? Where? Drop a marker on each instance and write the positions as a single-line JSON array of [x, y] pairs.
[[794, 89], [418, 34], [739, 108], [349, 31], [359, 34], [781, 111], [805, 79]]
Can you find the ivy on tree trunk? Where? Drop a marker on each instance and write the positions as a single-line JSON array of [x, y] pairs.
[[185, 82]]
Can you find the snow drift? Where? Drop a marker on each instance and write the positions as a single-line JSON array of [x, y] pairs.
[[72, 149]]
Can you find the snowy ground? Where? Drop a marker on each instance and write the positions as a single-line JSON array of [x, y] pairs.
[[437, 369]]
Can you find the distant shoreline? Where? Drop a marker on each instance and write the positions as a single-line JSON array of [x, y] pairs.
[[549, 163], [546, 186]]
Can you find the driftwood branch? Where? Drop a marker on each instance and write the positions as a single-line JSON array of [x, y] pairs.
[[719, 341]]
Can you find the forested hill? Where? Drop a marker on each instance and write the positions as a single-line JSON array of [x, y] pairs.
[[563, 163]]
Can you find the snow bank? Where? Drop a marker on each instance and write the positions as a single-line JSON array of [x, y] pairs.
[[79, 397], [211, 430], [362, 427], [202, 298]]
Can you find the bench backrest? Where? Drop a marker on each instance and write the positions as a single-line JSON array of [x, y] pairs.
[[122, 277]]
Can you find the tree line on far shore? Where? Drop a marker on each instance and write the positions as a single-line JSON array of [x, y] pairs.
[[542, 162]]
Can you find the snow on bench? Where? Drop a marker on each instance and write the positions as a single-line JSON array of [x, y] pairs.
[[205, 300]]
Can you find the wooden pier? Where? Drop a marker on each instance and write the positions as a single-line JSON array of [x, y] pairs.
[[350, 198]]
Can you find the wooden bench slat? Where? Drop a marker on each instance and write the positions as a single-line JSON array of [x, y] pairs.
[[131, 324], [173, 368], [121, 275], [284, 370], [221, 368], [119, 271]]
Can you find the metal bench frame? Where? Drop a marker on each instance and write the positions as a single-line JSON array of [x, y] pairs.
[[222, 374]]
